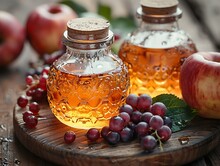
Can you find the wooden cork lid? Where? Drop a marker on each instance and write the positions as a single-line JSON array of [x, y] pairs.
[[88, 28], [159, 7]]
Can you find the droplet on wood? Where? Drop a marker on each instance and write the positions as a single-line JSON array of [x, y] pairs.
[[82, 147], [5, 162], [2, 126], [17, 162], [183, 140], [91, 147], [42, 118], [4, 139]]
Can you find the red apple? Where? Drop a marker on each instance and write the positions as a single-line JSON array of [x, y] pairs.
[[45, 26], [12, 38], [200, 83]]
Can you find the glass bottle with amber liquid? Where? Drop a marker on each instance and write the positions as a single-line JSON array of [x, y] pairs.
[[88, 84], [155, 51]]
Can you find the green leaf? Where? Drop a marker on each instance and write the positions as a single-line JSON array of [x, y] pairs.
[[180, 113], [105, 11], [116, 46], [75, 6], [123, 25]]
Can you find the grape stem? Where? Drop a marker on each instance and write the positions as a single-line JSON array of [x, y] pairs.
[[159, 140]]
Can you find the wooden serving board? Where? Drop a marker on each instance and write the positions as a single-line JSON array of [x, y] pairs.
[[46, 141]]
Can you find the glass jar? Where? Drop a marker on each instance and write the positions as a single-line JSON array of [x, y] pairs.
[[87, 84], [155, 51]]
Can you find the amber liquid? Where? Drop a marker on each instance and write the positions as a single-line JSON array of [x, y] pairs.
[[84, 100], [154, 66]]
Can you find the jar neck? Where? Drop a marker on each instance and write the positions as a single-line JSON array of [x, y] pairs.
[[88, 44], [171, 26], [104, 51]]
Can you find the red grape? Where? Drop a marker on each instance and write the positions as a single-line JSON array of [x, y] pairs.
[[155, 122], [31, 121], [158, 108], [126, 108], [29, 92], [144, 102], [38, 95], [167, 121], [29, 80], [125, 116], [69, 137], [104, 131], [148, 143], [132, 100], [146, 116], [22, 101], [43, 82], [112, 137], [141, 129], [136, 117], [34, 107], [26, 114], [164, 133], [45, 70], [131, 125], [93, 134], [126, 134], [116, 123]]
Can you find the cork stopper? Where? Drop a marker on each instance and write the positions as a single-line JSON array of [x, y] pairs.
[[159, 11], [88, 28], [88, 33], [159, 7]]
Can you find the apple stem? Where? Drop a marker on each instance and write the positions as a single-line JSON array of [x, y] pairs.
[[54, 10]]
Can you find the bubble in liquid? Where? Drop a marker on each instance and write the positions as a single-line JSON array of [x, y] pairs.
[[99, 66], [164, 68], [164, 43], [157, 68]]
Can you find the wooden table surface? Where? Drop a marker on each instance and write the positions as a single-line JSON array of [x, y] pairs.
[[12, 82]]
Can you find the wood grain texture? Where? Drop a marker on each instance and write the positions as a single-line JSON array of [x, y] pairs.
[[46, 141]]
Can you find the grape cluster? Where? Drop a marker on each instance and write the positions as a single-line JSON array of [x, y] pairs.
[[137, 118], [35, 93]]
